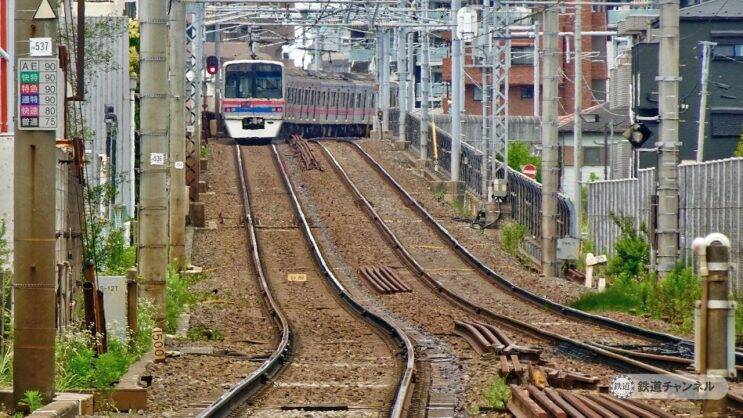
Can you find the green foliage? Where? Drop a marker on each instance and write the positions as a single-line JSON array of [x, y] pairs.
[[118, 256], [632, 251], [458, 208], [497, 393], [739, 148], [201, 332], [439, 194], [133, 48], [32, 399], [671, 298], [519, 155], [179, 296], [511, 235], [4, 245], [79, 367], [6, 366]]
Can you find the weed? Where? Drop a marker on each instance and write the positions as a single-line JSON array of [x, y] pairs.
[[32, 399], [511, 235], [201, 332], [497, 393], [179, 296], [631, 251], [459, 208], [439, 194]]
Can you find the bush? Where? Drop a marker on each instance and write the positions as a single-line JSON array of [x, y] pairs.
[[519, 155], [511, 235], [631, 251]]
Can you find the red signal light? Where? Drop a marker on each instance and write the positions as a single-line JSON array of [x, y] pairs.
[[212, 64]]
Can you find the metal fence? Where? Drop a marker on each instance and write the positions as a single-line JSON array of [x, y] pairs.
[[710, 200], [526, 194]]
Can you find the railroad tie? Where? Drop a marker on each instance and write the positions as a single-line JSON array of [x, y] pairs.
[[532, 401], [383, 280], [522, 405], [302, 150], [485, 338]]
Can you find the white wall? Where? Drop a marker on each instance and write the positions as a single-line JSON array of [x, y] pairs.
[[6, 185]]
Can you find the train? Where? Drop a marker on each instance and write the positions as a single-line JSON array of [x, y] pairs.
[[265, 100]]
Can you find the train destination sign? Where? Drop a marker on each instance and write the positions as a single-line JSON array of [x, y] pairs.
[[38, 94]]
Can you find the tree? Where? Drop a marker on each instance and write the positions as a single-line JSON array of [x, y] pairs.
[[519, 155]]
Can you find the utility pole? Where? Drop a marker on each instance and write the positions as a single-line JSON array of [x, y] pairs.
[[153, 206], [34, 193], [455, 110], [668, 95], [537, 79], [218, 75], [485, 137], [410, 80], [402, 77], [500, 88], [386, 95], [706, 49], [577, 119], [549, 144], [425, 85], [176, 64]]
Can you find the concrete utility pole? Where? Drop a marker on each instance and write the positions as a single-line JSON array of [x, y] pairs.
[[455, 110], [384, 74], [668, 95], [577, 120], [425, 85], [549, 144], [706, 49], [153, 198], [34, 185], [218, 75], [176, 64], [402, 77], [411, 72], [537, 79]]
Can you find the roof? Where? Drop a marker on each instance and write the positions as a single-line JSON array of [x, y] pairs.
[[714, 9], [620, 118]]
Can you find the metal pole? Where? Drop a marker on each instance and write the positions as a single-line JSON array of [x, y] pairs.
[[411, 73], [153, 206], [537, 80], [549, 144], [385, 75], [668, 95], [485, 137], [402, 79], [316, 53], [34, 269], [176, 64], [706, 49], [501, 67], [425, 86], [577, 121], [455, 110], [218, 76]]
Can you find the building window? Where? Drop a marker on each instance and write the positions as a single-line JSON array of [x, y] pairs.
[[723, 51], [527, 92], [522, 55], [593, 156]]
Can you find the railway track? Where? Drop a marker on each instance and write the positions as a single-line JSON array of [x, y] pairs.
[[401, 222], [334, 354]]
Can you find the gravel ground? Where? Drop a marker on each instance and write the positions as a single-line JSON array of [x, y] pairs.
[[232, 306], [447, 267], [350, 241], [483, 243], [338, 359]]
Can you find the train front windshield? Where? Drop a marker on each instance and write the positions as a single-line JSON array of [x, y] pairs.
[[254, 81]]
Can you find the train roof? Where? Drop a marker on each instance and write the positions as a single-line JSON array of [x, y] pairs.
[[296, 72]]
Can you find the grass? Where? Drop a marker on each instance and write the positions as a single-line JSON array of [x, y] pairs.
[[511, 235], [179, 296], [497, 393], [671, 299], [201, 332]]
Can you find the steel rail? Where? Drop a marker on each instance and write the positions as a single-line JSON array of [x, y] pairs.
[[609, 356], [506, 284], [395, 332], [249, 386]]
